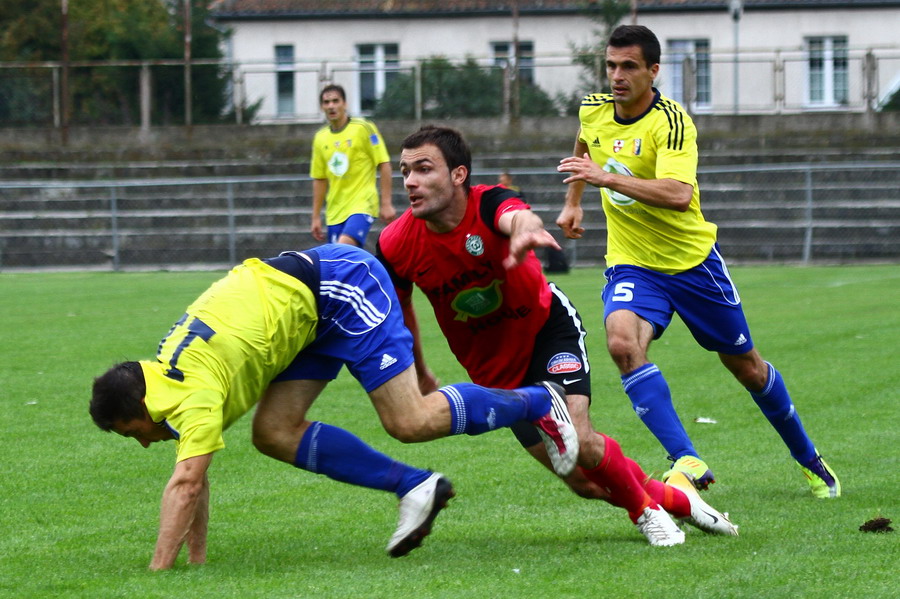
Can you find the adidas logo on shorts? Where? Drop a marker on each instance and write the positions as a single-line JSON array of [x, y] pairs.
[[386, 361]]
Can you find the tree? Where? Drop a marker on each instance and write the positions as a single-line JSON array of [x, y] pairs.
[[123, 30], [465, 90], [606, 14]]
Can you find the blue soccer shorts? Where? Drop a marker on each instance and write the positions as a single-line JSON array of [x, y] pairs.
[[356, 226], [360, 322], [704, 297]]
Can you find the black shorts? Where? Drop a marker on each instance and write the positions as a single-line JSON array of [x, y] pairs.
[[559, 355]]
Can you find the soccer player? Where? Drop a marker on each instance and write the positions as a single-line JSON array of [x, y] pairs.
[[346, 154], [640, 149], [470, 250], [273, 334]]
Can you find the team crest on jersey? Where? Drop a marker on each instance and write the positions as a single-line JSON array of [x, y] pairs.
[[563, 363], [475, 245], [618, 145], [637, 147]]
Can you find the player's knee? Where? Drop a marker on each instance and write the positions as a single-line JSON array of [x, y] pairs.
[[623, 352], [264, 441]]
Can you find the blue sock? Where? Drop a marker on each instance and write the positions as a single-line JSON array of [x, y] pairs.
[[652, 401], [776, 405], [342, 456], [475, 410]]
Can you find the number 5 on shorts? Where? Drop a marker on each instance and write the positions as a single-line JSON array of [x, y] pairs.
[[623, 292]]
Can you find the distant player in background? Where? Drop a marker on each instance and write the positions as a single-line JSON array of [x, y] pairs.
[[272, 334], [346, 155], [470, 250], [640, 149]]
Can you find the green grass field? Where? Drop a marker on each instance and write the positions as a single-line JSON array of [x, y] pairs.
[[79, 508]]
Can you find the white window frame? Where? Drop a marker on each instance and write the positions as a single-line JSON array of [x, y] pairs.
[[833, 70], [285, 106], [383, 63], [503, 53], [698, 51]]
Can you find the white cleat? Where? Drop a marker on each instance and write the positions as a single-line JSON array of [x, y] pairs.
[[659, 528], [558, 432], [418, 509], [703, 515]]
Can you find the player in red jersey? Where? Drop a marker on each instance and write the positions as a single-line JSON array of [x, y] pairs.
[[470, 250]]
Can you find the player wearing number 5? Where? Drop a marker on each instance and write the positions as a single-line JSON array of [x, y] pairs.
[[272, 334], [640, 149]]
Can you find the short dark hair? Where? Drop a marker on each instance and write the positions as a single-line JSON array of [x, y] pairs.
[[117, 395], [449, 141], [637, 35], [332, 88]]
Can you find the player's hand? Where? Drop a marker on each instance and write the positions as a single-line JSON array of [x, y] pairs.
[[523, 242], [569, 220], [388, 213], [581, 169], [315, 228]]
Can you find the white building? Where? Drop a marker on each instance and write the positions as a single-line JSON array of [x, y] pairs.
[[750, 57]]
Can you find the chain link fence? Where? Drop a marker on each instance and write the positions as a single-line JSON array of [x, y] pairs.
[[169, 92], [798, 213]]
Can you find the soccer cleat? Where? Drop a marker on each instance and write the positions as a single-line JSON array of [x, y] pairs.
[[418, 508], [695, 469], [659, 528], [703, 516], [823, 482], [558, 432]]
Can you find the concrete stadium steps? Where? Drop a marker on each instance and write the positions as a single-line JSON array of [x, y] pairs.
[[162, 222]]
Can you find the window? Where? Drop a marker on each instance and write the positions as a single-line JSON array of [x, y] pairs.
[[504, 53], [378, 66], [700, 86], [827, 77], [284, 80]]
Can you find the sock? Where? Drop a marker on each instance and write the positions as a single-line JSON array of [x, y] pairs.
[[475, 410], [342, 456], [776, 405], [672, 499], [652, 402], [614, 474]]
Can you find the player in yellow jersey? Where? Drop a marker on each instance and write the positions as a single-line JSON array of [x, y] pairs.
[[640, 149], [272, 334], [346, 154]]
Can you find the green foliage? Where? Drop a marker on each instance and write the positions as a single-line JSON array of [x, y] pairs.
[[80, 507], [606, 14], [112, 30], [464, 90]]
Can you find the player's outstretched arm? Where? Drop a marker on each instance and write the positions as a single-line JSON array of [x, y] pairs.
[[182, 498], [526, 232], [428, 382]]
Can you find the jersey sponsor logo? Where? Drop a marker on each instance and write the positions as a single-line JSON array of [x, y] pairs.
[[339, 164], [637, 147], [373, 139], [474, 245], [563, 363], [477, 301], [614, 166]]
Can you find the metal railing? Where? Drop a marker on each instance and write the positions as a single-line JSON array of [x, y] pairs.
[[122, 92], [780, 213]]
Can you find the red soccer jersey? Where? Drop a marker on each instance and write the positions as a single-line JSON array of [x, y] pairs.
[[489, 315]]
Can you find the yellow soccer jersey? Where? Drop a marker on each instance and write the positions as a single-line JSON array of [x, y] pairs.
[[216, 361], [349, 159], [660, 144]]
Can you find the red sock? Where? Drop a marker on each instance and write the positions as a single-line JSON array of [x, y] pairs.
[[671, 499], [614, 474]]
